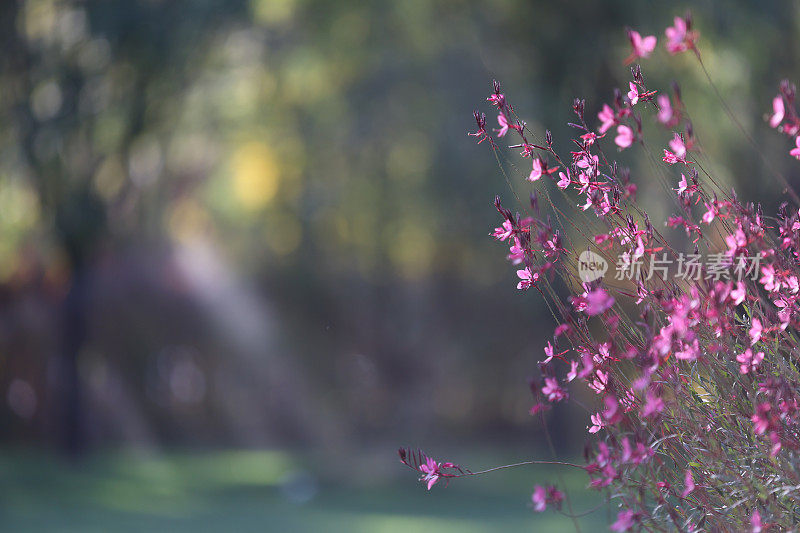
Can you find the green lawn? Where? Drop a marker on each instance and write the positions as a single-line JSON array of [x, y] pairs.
[[265, 491]]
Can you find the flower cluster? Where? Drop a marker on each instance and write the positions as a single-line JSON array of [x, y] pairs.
[[697, 379], [784, 116], [430, 471]]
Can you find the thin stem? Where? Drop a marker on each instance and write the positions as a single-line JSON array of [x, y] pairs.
[[523, 463]]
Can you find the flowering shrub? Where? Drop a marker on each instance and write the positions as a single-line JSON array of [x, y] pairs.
[[696, 368]]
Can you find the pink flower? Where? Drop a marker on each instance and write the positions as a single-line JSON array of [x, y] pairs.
[[633, 94], [430, 471], [553, 390], [536, 173], [760, 418], [624, 521], [598, 301], [504, 232], [769, 279], [665, 112], [542, 496], [738, 294], [573, 371], [653, 405], [611, 414], [640, 46], [607, 119], [755, 331], [778, 111], [679, 149], [688, 480], [516, 253], [539, 499], [755, 522], [708, 216], [548, 351], [564, 180], [682, 185], [501, 119], [679, 38], [527, 279], [624, 136], [597, 423], [749, 362], [795, 152]]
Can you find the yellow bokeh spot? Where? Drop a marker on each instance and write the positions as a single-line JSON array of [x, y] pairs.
[[109, 178], [256, 175], [272, 12], [411, 249]]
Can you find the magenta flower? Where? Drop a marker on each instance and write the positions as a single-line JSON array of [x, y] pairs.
[[611, 414], [678, 154], [563, 181], [503, 232], [597, 423], [501, 119], [553, 390], [749, 362], [536, 173], [539, 499], [573, 371], [755, 331], [778, 111], [598, 301], [625, 521], [755, 522], [527, 279], [624, 136], [633, 93], [738, 294], [688, 480], [542, 496], [761, 419], [795, 152], [431, 470], [516, 253], [607, 119], [665, 113], [548, 351], [680, 37], [653, 405], [641, 47]]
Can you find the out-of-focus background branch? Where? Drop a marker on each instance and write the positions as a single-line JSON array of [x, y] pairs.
[[260, 225]]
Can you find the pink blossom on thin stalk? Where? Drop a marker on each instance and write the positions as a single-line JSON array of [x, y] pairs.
[[641, 47], [755, 522], [527, 278], [795, 152], [665, 112], [607, 119], [778, 112], [625, 521], [624, 137], [688, 482], [503, 121], [680, 36], [542, 496], [563, 181]]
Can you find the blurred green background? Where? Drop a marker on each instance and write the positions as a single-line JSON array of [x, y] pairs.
[[244, 249]]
